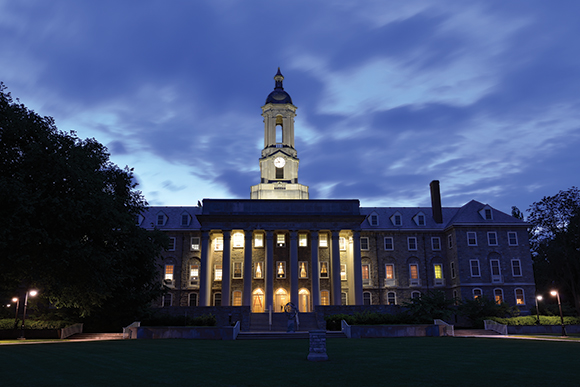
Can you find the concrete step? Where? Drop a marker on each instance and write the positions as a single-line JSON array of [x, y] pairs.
[[284, 335], [96, 336], [475, 332], [259, 322]]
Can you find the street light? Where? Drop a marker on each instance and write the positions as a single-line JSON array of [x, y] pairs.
[[538, 298], [17, 301], [32, 293], [555, 293]]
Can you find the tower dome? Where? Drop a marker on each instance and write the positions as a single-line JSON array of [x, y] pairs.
[[279, 95]]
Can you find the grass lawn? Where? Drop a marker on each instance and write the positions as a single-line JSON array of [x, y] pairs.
[[424, 361]]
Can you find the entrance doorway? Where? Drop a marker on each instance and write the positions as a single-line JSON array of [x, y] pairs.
[[280, 300], [304, 301], [258, 301]]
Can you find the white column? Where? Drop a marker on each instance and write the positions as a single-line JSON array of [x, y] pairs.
[[205, 274], [357, 272], [294, 267], [247, 300], [226, 268], [335, 269], [269, 270], [315, 270]]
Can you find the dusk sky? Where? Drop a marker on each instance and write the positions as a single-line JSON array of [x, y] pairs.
[[481, 95]]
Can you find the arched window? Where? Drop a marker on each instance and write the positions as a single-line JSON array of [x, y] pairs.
[[415, 294], [477, 293], [304, 301], [258, 301], [520, 299], [192, 299], [498, 295], [391, 298], [217, 299], [367, 298], [167, 300]]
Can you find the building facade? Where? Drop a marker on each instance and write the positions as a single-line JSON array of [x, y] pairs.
[[280, 246]]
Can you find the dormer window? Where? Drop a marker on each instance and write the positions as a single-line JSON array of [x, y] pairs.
[[486, 213], [373, 219], [397, 219], [185, 219], [420, 219], [139, 219], [161, 219]]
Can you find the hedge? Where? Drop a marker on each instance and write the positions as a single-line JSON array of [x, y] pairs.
[[206, 320], [8, 323], [532, 320]]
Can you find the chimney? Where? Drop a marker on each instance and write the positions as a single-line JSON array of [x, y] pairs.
[[436, 201]]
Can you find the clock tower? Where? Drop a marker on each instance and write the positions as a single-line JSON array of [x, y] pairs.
[[279, 161]]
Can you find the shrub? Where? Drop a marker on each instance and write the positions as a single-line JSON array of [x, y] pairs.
[[532, 320], [8, 323], [206, 320]]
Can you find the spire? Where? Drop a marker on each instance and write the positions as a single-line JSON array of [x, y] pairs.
[[278, 78]]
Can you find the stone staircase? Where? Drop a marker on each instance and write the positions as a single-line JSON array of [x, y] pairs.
[[96, 336], [475, 332]]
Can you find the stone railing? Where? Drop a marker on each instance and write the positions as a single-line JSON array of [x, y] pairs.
[[71, 330], [448, 329], [490, 325], [128, 333]]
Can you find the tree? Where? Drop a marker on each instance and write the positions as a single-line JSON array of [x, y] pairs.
[[555, 239], [68, 217]]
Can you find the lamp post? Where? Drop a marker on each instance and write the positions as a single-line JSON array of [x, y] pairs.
[[17, 301], [538, 298], [555, 293], [32, 293]]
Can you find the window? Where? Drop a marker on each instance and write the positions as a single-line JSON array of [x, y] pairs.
[[367, 298], [477, 293], [471, 238], [412, 243], [161, 220], [495, 270], [323, 240], [366, 275], [238, 240], [194, 274], [171, 246], [487, 214], [415, 295], [420, 219], [450, 241], [389, 244], [474, 263], [391, 298], [492, 238], [259, 240], [218, 244], [520, 300], [343, 298], [168, 299], [516, 268], [414, 274], [303, 269], [364, 243], [237, 272], [280, 269], [280, 240], [323, 269], [397, 220], [342, 244], [512, 238], [192, 299], [168, 273], [237, 298], [438, 273], [195, 244], [217, 272], [452, 267], [324, 297], [389, 274], [185, 219], [456, 297], [279, 173], [303, 240], [498, 296], [374, 220], [343, 272], [436, 243], [217, 299], [258, 274]]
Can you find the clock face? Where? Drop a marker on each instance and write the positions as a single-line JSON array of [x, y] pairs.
[[279, 162]]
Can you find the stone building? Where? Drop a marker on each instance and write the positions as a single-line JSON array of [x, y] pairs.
[[280, 246]]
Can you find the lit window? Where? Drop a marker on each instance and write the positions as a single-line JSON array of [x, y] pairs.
[[259, 240], [324, 297], [302, 240], [192, 299], [195, 243], [512, 238], [238, 240], [237, 272], [367, 298], [218, 272], [366, 275], [436, 243], [438, 273], [171, 246], [364, 243], [237, 298], [194, 274], [258, 267], [168, 273], [280, 269], [492, 238], [343, 272], [516, 268], [389, 244], [498, 296], [414, 274], [217, 299], [474, 263], [323, 269], [520, 300], [412, 243], [303, 269], [452, 267], [168, 299], [389, 275], [218, 244], [477, 293], [391, 298], [342, 243], [323, 240], [495, 270], [185, 219], [280, 240], [471, 238]]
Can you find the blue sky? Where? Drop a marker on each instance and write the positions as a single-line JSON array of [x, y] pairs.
[[481, 95]]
